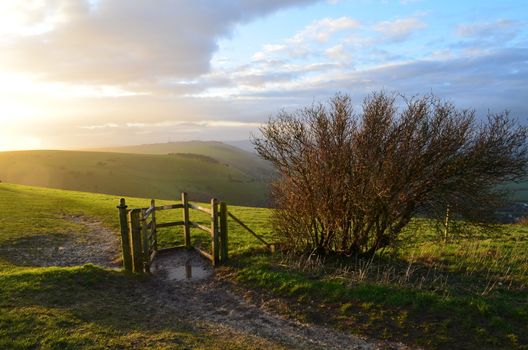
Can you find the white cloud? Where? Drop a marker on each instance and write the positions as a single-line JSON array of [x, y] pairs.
[[321, 30], [399, 29], [121, 42], [302, 43], [339, 53]]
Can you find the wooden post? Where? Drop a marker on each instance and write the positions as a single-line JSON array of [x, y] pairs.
[[153, 227], [186, 224], [446, 224], [125, 238], [223, 232], [214, 230], [145, 251], [135, 239]]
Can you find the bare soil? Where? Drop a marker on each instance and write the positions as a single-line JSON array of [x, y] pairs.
[[95, 244]]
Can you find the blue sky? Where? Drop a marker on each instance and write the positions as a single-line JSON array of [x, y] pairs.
[[390, 33], [82, 73]]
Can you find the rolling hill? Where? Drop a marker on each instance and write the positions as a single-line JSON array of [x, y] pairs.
[[229, 177], [247, 162]]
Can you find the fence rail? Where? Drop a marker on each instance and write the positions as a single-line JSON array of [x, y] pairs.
[[202, 209]]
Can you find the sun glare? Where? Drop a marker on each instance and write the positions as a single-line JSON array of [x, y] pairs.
[[16, 142], [16, 18]]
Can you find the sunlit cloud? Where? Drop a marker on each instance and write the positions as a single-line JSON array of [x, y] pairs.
[[101, 126], [168, 123]]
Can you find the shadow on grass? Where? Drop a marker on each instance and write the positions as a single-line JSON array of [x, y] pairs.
[[82, 307], [56, 249], [35, 250]]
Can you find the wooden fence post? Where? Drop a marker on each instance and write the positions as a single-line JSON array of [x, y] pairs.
[[125, 237], [145, 242], [446, 224], [186, 224], [135, 240], [214, 230], [153, 227], [223, 232]]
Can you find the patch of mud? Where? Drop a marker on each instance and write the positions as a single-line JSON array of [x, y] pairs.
[[181, 265], [96, 244], [214, 305]]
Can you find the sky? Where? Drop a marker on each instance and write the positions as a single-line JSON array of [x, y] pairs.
[[91, 73]]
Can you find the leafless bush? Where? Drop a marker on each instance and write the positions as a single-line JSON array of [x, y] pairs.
[[349, 182]]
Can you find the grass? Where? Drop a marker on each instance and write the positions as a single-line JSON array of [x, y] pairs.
[[33, 211], [88, 306], [468, 293], [137, 175], [244, 161]]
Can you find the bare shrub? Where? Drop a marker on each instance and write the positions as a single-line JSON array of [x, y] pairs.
[[349, 182]]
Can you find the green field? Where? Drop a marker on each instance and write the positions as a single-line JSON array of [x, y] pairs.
[[248, 163], [228, 175], [468, 293]]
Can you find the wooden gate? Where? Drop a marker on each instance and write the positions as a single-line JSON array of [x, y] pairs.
[[139, 232]]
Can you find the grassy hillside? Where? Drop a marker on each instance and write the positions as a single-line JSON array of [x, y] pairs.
[[248, 163], [140, 175], [468, 293]]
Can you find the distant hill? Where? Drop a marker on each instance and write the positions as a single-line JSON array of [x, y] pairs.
[[247, 162], [219, 170], [246, 145]]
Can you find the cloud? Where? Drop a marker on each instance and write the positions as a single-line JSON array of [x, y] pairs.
[[494, 80], [125, 43], [321, 30], [486, 29], [108, 69], [321, 49], [486, 35], [100, 126], [200, 123], [339, 53], [399, 29], [307, 40]]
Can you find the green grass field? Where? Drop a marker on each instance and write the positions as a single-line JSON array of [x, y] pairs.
[[246, 162], [468, 293], [137, 175]]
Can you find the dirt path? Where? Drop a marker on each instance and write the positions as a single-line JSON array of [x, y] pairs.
[[207, 299], [211, 302], [94, 244], [203, 300]]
